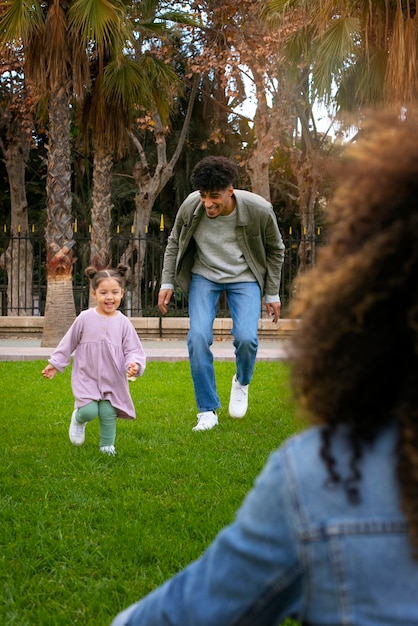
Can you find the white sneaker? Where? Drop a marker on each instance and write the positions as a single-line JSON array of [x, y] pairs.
[[110, 450], [238, 402], [206, 420], [77, 430]]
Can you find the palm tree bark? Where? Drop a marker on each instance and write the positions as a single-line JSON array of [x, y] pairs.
[[101, 211], [60, 307]]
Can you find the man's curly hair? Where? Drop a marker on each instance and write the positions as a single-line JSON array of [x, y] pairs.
[[213, 173], [355, 355]]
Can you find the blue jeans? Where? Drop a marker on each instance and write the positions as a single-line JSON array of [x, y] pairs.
[[244, 301]]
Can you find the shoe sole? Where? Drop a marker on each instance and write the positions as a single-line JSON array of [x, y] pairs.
[[197, 427], [76, 443], [236, 416]]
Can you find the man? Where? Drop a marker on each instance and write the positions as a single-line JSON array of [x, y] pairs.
[[223, 240]]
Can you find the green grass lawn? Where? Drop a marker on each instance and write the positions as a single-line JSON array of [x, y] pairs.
[[83, 535]]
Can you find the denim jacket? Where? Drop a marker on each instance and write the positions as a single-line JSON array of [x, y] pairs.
[[298, 548]]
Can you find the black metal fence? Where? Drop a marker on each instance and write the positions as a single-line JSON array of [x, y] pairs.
[[23, 281]]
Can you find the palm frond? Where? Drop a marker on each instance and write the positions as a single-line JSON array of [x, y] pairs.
[[276, 11], [163, 80], [336, 48], [278, 6], [273, 11], [363, 83], [401, 79], [19, 19], [99, 21], [55, 44], [125, 84], [297, 48], [178, 17], [371, 77]]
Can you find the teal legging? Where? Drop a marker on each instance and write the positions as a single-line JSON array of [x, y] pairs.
[[107, 418]]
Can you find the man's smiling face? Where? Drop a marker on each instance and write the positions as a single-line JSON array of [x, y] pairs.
[[218, 202]]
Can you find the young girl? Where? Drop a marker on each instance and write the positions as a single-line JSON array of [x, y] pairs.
[[107, 352]]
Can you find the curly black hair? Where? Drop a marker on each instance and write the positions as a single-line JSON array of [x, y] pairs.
[[355, 355], [213, 173]]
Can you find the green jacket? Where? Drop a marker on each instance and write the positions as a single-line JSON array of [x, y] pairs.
[[257, 234]]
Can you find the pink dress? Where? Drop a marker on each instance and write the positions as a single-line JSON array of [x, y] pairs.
[[103, 348]]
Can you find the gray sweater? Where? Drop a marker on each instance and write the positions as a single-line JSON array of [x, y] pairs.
[[257, 235]]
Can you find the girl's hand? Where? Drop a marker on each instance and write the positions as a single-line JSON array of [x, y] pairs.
[[49, 371], [132, 371]]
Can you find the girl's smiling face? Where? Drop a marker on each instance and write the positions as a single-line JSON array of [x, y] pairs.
[[108, 296]]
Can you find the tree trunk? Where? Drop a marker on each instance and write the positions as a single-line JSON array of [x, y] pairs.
[[308, 175], [101, 212], [60, 307], [148, 188], [135, 253], [257, 168], [17, 259], [308, 191], [267, 130]]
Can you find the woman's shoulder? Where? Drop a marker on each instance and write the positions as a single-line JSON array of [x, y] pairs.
[[306, 439], [308, 443], [303, 456]]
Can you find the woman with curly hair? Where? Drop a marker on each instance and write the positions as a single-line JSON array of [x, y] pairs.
[[329, 533]]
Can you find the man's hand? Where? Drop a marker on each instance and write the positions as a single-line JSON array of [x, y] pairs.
[[164, 298], [273, 309]]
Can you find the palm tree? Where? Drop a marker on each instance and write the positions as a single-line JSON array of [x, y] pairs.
[[126, 82], [349, 55], [57, 37], [360, 54], [47, 52], [120, 86]]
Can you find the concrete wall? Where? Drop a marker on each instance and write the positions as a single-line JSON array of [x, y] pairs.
[[151, 327]]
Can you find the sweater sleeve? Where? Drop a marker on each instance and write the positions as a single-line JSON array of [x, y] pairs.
[[132, 348], [61, 356]]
